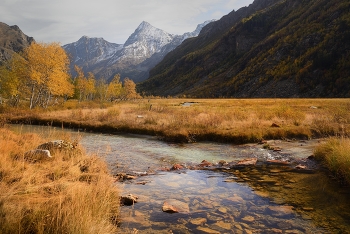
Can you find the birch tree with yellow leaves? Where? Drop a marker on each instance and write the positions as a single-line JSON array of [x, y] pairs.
[[44, 72], [12, 87]]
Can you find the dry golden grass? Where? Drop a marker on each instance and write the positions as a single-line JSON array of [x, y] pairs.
[[70, 193], [230, 120], [335, 154]]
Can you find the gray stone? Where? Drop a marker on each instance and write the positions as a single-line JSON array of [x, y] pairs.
[[37, 155]]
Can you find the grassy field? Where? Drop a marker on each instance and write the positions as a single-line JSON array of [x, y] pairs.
[[68, 193], [224, 120]]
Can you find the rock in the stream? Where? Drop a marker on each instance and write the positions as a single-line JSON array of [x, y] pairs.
[[167, 208], [207, 230], [245, 163], [205, 163], [198, 221], [175, 206], [128, 200], [222, 163], [277, 162], [37, 155], [123, 176], [176, 167]]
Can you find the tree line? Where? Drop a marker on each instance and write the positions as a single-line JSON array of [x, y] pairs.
[[40, 76]]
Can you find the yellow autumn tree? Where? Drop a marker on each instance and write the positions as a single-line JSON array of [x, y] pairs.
[[130, 89], [114, 89], [12, 82], [80, 83], [101, 89], [44, 71], [91, 86]]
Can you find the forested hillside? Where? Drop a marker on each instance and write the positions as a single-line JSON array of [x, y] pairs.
[[273, 48]]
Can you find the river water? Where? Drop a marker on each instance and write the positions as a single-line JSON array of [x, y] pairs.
[[263, 199]]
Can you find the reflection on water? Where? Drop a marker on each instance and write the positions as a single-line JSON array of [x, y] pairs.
[[216, 205], [265, 199]]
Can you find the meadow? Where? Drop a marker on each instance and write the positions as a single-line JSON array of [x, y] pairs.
[[222, 120]]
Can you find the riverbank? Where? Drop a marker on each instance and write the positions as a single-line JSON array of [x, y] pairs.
[[69, 192], [335, 155], [235, 121]]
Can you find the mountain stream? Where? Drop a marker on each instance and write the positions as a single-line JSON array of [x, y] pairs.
[[267, 198]]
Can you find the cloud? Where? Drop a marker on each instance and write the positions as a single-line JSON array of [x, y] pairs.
[[66, 21]]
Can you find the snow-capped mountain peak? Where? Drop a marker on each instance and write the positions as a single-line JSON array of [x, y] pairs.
[[144, 48], [146, 32]]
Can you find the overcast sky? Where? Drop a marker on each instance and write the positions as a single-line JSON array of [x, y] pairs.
[[65, 21]]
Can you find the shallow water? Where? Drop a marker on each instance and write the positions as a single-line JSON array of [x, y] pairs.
[[264, 199]]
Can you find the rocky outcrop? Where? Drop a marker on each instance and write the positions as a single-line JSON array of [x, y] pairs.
[[44, 151], [12, 40]]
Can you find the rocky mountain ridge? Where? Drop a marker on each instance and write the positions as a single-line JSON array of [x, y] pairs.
[[143, 49], [12, 40]]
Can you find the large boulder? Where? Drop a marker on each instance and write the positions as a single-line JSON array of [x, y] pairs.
[[37, 155]]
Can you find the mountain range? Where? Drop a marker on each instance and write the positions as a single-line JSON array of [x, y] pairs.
[[272, 48], [143, 50]]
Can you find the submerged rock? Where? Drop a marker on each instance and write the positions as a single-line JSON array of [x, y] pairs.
[[248, 219], [167, 208], [223, 225], [281, 210], [198, 221], [207, 230], [175, 206]]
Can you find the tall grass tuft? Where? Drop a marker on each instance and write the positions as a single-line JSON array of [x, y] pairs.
[[70, 193], [335, 154]]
